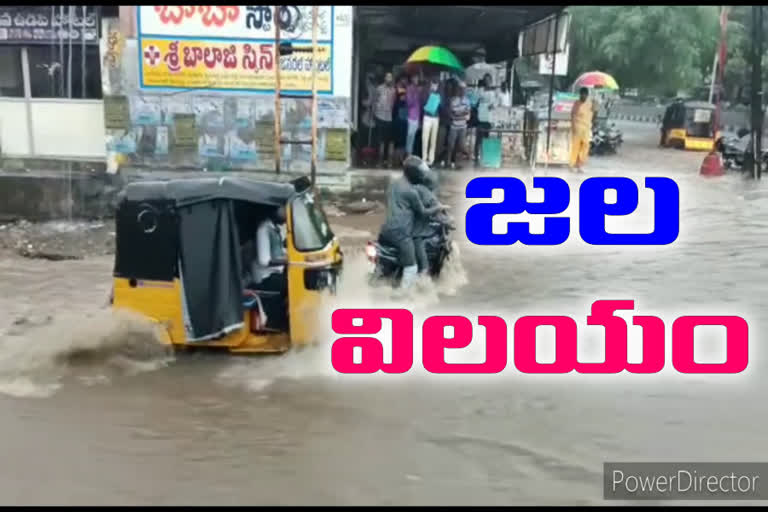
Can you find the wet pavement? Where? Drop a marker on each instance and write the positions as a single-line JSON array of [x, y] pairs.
[[93, 412]]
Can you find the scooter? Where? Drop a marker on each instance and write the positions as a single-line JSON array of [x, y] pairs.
[[605, 140], [385, 263], [732, 152], [736, 152]]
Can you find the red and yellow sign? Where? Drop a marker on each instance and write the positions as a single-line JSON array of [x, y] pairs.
[[235, 65]]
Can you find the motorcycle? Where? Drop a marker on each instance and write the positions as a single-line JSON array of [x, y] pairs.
[[385, 263], [736, 152], [606, 140], [733, 152]]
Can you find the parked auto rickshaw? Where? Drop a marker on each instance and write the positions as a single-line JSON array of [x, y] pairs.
[[690, 125], [180, 261]]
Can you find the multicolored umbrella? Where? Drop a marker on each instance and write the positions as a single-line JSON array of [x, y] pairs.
[[596, 79], [435, 56]]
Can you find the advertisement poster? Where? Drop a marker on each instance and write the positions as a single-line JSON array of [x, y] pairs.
[[242, 146], [331, 114], [265, 135], [122, 142], [336, 145], [175, 104], [117, 113], [184, 131], [235, 65], [147, 140], [244, 113], [209, 113], [161, 141], [146, 110], [211, 146]]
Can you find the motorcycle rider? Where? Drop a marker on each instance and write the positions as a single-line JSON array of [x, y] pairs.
[[422, 230], [404, 206]]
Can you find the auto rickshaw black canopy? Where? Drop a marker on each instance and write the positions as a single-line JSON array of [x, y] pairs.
[[195, 190], [187, 229], [701, 105]]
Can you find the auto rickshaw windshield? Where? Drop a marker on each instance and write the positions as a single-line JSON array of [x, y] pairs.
[[311, 231], [700, 122]]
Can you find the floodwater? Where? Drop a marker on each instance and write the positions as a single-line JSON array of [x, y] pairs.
[[92, 411]]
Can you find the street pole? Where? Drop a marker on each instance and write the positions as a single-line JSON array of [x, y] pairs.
[[62, 90], [714, 63], [82, 52], [69, 53], [552, 85], [714, 75], [278, 112], [719, 79], [757, 90], [313, 169]]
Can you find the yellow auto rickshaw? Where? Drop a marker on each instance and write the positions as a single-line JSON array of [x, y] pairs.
[[181, 260], [690, 125]]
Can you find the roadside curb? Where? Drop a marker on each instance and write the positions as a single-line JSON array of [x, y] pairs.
[[657, 120], [637, 119]]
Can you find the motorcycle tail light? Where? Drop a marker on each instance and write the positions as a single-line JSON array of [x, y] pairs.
[[370, 252]]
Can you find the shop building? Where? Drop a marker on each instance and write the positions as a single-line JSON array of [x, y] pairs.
[[385, 37], [50, 82], [193, 87]]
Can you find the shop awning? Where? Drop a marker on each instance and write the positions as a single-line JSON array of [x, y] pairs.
[[497, 28]]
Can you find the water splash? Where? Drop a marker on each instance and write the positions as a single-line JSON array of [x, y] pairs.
[[37, 356], [353, 291]]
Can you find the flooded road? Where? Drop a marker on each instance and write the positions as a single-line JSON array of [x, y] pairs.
[[85, 420]]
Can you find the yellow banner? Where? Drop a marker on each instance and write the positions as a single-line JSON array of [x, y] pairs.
[[235, 65]]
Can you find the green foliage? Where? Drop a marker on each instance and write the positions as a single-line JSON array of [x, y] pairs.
[[663, 49], [659, 49]]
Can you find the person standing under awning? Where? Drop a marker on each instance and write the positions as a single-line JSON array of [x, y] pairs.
[[486, 100], [460, 112], [430, 124], [479, 68], [383, 103]]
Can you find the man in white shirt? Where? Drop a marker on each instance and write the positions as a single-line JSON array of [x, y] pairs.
[[486, 101], [475, 73], [268, 268], [383, 103], [270, 251]]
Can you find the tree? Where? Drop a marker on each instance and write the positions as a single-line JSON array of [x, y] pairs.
[[738, 67], [660, 49]]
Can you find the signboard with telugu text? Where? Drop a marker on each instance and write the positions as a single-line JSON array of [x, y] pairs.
[[540, 37], [233, 48], [561, 63], [32, 24], [235, 22], [230, 65]]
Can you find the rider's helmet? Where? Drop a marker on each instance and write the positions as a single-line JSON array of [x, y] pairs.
[[415, 169]]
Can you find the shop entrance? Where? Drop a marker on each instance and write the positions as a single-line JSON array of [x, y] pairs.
[[484, 40]]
